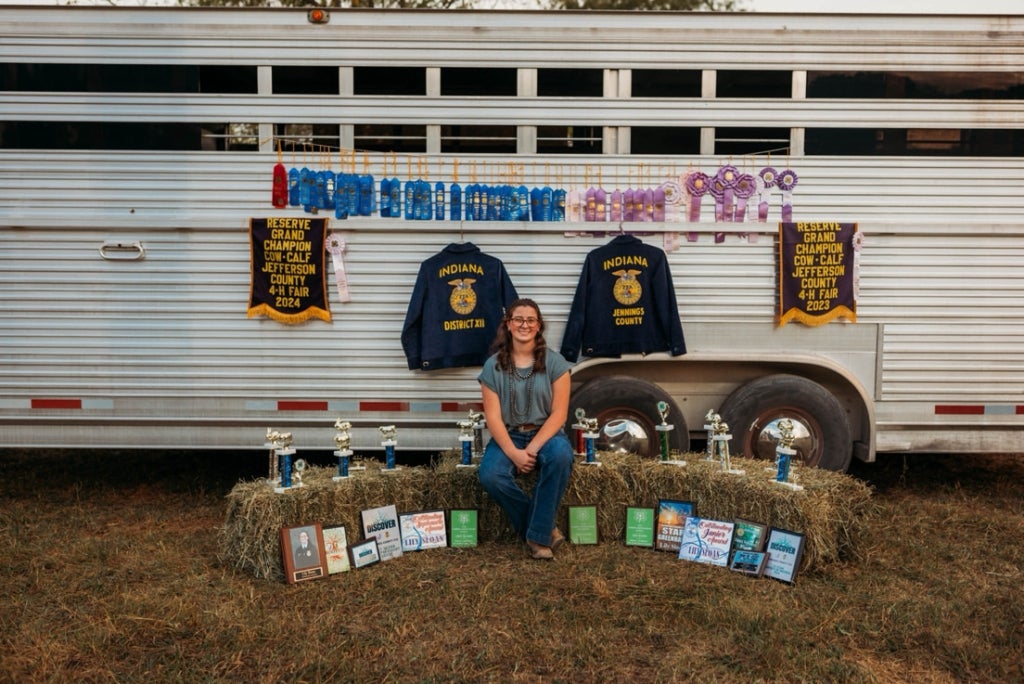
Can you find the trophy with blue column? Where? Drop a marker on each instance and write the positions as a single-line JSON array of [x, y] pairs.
[[389, 440], [663, 437], [589, 430], [343, 440], [466, 438], [281, 444], [784, 453]]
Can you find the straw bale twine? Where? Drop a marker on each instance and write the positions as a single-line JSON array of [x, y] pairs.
[[831, 510]]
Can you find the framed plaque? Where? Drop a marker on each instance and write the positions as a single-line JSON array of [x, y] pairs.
[[671, 519], [706, 541], [749, 536], [785, 549], [463, 527], [382, 523], [336, 548], [583, 524], [748, 562], [364, 553], [423, 530], [639, 526], [302, 550]]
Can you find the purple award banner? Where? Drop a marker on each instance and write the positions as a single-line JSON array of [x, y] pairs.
[[287, 263], [817, 272]]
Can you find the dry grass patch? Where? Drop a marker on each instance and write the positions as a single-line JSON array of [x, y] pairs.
[[110, 573]]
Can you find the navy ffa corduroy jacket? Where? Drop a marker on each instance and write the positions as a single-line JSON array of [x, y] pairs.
[[625, 303], [456, 306]]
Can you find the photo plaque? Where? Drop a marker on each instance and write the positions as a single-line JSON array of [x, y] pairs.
[[302, 551]]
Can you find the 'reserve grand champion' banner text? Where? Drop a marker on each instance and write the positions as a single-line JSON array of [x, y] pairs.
[[288, 283], [817, 272]]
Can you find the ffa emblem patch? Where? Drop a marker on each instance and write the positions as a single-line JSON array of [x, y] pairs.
[[627, 288], [463, 298]]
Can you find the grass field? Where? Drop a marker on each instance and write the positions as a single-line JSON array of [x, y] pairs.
[[111, 572]]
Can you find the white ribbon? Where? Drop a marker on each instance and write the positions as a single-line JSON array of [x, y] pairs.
[[335, 244]]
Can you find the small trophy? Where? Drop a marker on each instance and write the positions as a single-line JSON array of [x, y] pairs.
[[784, 453], [578, 428], [663, 429], [466, 429], [709, 426], [720, 437], [343, 440], [282, 447], [477, 417], [388, 433], [588, 430]]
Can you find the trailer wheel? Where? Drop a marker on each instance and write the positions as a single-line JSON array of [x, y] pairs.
[[822, 432], [627, 411]]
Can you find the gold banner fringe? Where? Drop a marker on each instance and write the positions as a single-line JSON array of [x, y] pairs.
[[799, 316], [290, 319]]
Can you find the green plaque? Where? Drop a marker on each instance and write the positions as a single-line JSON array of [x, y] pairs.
[[639, 526], [464, 525], [583, 524]]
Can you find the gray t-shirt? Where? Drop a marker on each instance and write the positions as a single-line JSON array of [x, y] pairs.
[[540, 393]]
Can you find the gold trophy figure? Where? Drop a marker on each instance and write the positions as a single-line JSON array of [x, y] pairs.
[[389, 440], [343, 440], [784, 453]]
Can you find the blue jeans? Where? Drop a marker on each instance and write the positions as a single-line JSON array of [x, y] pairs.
[[532, 517]]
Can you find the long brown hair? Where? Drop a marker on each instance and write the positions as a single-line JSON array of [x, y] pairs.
[[502, 345]]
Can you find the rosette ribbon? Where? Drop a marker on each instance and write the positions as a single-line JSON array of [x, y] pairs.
[[696, 187], [727, 178], [745, 188], [335, 245], [766, 179], [786, 182]]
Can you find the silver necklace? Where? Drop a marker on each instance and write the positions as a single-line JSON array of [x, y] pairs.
[[518, 415]]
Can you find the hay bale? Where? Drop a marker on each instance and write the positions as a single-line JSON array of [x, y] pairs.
[[830, 511]]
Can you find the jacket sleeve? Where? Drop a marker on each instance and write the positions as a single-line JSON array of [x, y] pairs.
[[668, 314], [412, 329], [572, 339], [508, 289]]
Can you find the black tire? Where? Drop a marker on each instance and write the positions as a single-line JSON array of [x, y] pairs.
[[628, 406], [753, 410]]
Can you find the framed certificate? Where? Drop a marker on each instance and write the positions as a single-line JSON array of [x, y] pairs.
[[364, 553], [785, 549]]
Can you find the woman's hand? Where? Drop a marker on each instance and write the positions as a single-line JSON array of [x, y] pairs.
[[524, 460]]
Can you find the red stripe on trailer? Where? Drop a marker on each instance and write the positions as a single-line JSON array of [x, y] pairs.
[[56, 403], [301, 405], [959, 410], [383, 406], [461, 406], [1020, 410]]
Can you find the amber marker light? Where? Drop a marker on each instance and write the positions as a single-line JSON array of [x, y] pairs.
[[318, 16]]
